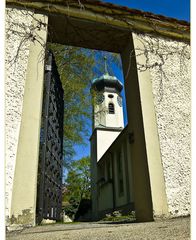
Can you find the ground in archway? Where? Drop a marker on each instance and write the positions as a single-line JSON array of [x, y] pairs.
[[175, 229]]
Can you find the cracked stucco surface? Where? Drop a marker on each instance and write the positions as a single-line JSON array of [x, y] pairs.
[[171, 88], [17, 23]]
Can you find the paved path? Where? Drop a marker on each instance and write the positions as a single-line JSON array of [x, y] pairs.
[[173, 229]]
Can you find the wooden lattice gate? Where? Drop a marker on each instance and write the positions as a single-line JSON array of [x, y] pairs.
[[49, 196]]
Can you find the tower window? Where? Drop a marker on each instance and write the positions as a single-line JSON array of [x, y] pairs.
[[110, 95], [111, 108]]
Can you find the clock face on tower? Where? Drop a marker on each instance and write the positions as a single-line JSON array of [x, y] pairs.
[[100, 98], [119, 100]]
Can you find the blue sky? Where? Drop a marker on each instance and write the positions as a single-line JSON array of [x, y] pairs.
[[179, 9]]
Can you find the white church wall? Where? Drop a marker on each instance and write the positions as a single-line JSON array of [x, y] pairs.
[[104, 141], [169, 64], [105, 197], [105, 189], [121, 199], [16, 59]]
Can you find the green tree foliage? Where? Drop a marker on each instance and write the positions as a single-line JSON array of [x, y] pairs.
[[77, 67], [77, 184], [78, 179]]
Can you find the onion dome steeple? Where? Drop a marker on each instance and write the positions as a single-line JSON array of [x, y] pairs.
[[106, 81]]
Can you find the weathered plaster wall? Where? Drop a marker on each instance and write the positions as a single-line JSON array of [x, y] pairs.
[[18, 23], [169, 65]]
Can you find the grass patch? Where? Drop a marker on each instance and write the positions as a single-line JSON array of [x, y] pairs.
[[117, 217]]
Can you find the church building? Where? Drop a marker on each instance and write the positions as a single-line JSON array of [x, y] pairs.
[[110, 167]]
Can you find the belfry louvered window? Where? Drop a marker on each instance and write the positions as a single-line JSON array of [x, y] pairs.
[[111, 108]]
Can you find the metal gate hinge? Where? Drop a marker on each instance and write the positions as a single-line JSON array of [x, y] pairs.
[[48, 67]]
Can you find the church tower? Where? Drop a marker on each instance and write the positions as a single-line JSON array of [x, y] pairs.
[[108, 122]]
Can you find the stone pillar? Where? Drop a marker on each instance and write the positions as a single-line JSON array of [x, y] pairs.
[[148, 180], [23, 204]]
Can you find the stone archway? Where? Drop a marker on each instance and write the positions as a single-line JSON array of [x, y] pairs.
[[95, 26]]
